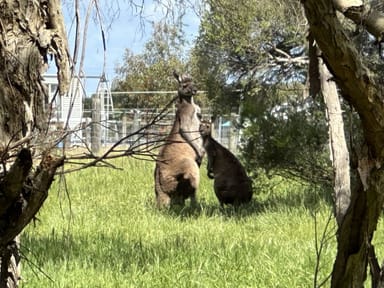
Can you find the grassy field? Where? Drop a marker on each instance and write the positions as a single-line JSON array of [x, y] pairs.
[[107, 233]]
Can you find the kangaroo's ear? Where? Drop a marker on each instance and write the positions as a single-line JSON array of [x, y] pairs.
[[177, 76]]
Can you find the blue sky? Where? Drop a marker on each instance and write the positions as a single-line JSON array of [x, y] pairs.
[[125, 31]]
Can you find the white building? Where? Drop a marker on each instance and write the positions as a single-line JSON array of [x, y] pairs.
[[67, 110]]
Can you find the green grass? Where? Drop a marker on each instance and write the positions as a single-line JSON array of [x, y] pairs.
[[108, 233]]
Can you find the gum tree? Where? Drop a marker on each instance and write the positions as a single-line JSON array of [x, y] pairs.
[[30, 31], [362, 88]]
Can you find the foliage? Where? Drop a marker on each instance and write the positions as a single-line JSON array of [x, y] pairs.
[[253, 57], [237, 41], [111, 235], [286, 133], [152, 70]]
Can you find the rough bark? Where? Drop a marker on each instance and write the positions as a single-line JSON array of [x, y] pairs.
[[358, 86], [369, 17], [10, 269], [29, 32]]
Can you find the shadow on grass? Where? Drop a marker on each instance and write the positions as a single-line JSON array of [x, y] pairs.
[[99, 252], [310, 199], [307, 198]]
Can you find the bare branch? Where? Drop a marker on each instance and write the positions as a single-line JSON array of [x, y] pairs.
[[137, 148]]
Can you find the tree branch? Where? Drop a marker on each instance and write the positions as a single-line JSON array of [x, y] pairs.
[[34, 192], [372, 19], [12, 183]]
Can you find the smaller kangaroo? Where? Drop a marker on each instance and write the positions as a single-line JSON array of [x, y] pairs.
[[231, 183]]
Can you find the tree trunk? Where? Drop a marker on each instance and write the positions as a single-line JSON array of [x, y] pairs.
[[29, 31], [338, 145], [10, 269], [358, 86]]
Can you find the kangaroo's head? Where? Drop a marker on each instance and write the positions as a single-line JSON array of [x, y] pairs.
[[186, 88], [205, 129]]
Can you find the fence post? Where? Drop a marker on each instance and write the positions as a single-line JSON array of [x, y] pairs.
[[220, 130], [87, 131], [95, 127], [232, 141], [124, 124], [136, 124]]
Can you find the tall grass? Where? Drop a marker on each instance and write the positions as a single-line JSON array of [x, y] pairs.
[[107, 232]]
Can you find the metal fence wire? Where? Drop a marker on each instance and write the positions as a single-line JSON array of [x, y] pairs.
[[113, 123], [124, 122]]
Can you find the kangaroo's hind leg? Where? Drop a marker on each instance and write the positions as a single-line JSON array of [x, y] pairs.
[[188, 181], [163, 199]]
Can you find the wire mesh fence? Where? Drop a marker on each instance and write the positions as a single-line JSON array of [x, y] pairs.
[[81, 115], [124, 123]]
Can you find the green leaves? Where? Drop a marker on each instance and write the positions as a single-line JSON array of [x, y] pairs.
[[253, 58], [287, 135], [243, 43], [152, 69]]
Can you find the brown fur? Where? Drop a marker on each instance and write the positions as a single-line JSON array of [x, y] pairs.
[[231, 183], [177, 174]]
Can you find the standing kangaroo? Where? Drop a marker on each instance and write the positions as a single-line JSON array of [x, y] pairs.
[[177, 174], [231, 183]]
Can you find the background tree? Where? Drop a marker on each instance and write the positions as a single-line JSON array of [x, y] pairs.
[[252, 57], [151, 70]]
